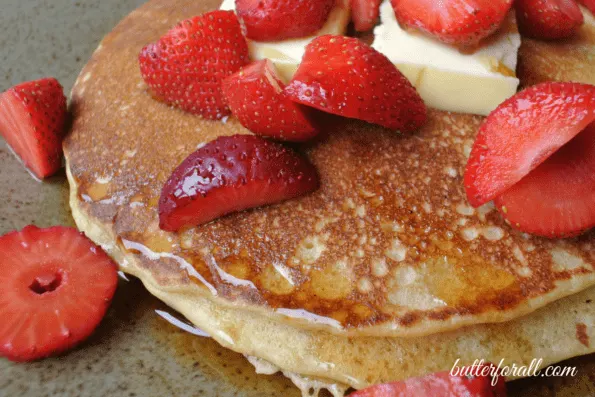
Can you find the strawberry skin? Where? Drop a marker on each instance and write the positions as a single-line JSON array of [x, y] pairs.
[[255, 96], [32, 119], [344, 76], [185, 67], [590, 4], [463, 23], [524, 131], [275, 20], [364, 14], [440, 384], [56, 288], [557, 199], [232, 174], [548, 19]]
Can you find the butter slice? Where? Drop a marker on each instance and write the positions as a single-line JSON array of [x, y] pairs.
[[446, 78], [287, 54]]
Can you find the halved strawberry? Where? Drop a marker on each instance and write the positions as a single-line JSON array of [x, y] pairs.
[[364, 14], [277, 20], [590, 4], [548, 19], [255, 96], [557, 199], [185, 67], [232, 174], [344, 76], [462, 23], [56, 287], [32, 118], [524, 131], [442, 384]]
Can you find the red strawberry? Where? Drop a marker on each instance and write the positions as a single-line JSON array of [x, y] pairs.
[[441, 384], [557, 199], [344, 76], [32, 118], [548, 19], [524, 131], [255, 96], [459, 22], [590, 4], [364, 14], [185, 67], [231, 174], [56, 287], [282, 19]]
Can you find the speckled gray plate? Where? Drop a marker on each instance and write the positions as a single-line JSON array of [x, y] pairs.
[[134, 352]]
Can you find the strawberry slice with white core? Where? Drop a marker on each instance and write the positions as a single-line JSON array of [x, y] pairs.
[[463, 23], [344, 76], [522, 133], [557, 199], [255, 96], [185, 67], [32, 119], [590, 4], [364, 14], [56, 288], [232, 174]]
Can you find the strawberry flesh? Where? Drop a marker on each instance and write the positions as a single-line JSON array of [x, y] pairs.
[[463, 23], [232, 174], [364, 14], [522, 133], [57, 286], [274, 20], [255, 96], [548, 19], [440, 384], [32, 119], [590, 4], [344, 76], [557, 199], [185, 67]]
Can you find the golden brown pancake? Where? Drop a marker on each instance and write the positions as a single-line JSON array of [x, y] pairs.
[[388, 247]]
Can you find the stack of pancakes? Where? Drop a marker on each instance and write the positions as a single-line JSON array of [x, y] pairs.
[[384, 273]]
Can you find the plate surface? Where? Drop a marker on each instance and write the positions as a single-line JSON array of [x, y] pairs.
[[134, 352]]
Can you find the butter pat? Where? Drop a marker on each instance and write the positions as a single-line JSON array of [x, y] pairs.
[[287, 54], [446, 78]]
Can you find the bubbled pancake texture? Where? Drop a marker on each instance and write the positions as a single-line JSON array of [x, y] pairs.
[[388, 245]]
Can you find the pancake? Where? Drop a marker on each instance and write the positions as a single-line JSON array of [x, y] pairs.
[[370, 279]]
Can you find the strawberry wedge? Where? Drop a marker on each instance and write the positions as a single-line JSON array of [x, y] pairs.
[[557, 199], [441, 384], [32, 119], [522, 133], [232, 174]]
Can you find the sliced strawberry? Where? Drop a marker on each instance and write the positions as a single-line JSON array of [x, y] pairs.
[[277, 20], [255, 96], [32, 118], [185, 67], [364, 14], [590, 4], [524, 131], [548, 19], [557, 199], [344, 76], [232, 174], [441, 384], [462, 23], [56, 287]]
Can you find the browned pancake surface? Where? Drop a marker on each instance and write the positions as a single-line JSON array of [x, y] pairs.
[[389, 241]]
